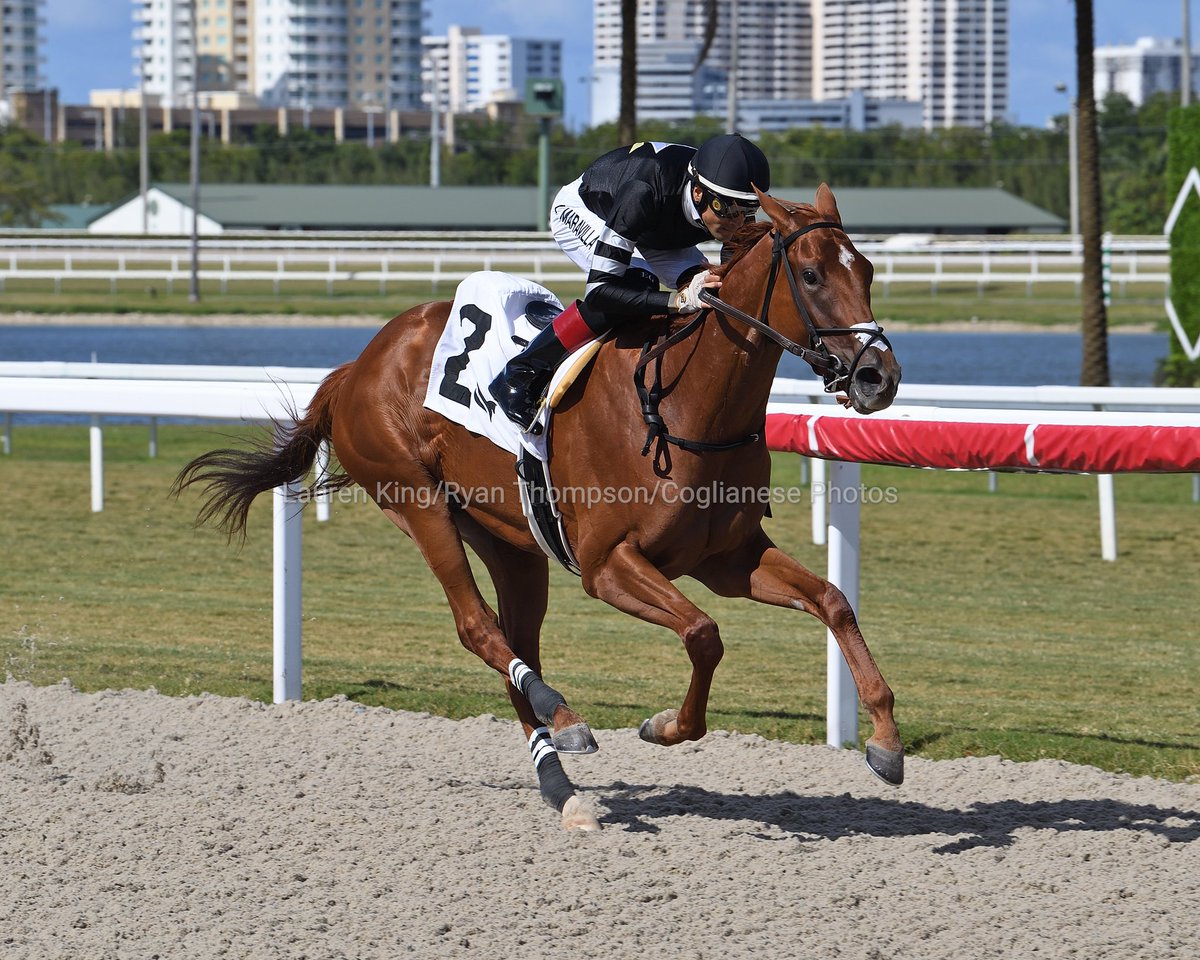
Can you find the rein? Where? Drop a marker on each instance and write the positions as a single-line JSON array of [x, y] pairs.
[[832, 368]]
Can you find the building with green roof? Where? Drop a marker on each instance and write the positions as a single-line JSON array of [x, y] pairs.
[[229, 207]]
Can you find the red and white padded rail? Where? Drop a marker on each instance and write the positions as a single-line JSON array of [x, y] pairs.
[[1055, 441]]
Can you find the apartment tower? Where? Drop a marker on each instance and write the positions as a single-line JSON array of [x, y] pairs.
[[21, 53], [772, 57], [314, 53], [951, 55], [470, 69]]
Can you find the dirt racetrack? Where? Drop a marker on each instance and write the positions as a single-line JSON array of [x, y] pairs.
[[134, 825]]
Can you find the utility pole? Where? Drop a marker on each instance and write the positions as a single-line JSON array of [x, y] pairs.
[[1185, 92], [1073, 153], [731, 76], [143, 146], [194, 285], [435, 135], [1072, 157]]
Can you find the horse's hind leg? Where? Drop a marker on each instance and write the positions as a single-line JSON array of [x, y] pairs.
[[763, 572], [433, 531], [521, 580], [629, 582]]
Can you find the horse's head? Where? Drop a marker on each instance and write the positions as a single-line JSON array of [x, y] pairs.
[[818, 294]]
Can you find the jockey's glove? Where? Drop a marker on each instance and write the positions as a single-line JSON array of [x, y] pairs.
[[687, 299]]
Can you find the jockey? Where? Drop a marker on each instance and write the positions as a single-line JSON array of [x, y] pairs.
[[631, 222]]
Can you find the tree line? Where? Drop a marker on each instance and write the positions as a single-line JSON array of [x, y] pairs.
[[1026, 161]]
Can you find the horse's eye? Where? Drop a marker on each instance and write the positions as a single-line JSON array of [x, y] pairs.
[[810, 276]]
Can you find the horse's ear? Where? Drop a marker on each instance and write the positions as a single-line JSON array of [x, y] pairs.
[[826, 205], [772, 207]]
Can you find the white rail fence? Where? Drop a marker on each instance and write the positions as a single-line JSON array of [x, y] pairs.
[[380, 263], [1149, 400], [286, 379], [845, 517], [258, 402]]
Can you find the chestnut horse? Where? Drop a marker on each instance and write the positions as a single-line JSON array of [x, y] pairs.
[[712, 378]]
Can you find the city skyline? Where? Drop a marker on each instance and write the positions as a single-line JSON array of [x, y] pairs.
[[90, 46]]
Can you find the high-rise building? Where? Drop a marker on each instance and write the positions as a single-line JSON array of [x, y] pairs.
[[314, 53], [470, 69], [21, 53], [772, 55], [951, 55], [1141, 69]]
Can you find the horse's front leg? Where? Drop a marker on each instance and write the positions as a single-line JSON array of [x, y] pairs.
[[763, 572], [629, 582]]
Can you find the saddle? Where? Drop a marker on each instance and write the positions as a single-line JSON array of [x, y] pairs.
[[493, 317]]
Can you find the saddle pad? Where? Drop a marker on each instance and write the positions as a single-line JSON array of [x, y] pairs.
[[487, 327]]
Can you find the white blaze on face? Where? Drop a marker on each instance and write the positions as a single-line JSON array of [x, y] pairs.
[[845, 257]]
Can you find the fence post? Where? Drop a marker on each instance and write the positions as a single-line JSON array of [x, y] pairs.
[[96, 438], [1108, 517], [286, 591], [817, 494], [844, 523], [321, 469], [7, 438], [153, 449], [1106, 267]]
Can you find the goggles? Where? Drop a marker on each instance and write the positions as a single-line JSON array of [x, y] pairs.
[[728, 209]]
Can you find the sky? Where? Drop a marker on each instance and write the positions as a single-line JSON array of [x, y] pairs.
[[89, 42]]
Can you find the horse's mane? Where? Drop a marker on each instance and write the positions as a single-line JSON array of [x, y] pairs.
[[748, 235]]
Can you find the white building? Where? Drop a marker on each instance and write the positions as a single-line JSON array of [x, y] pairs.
[[1141, 69], [315, 53], [669, 88], [951, 55], [21, 53], [165, 214], [772, 55], [470, 69], [855, 112]]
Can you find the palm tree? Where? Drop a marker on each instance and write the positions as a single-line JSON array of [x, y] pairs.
[[1094, 368], [627, 118]]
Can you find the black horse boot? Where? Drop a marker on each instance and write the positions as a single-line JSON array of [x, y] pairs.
[[519, 388]]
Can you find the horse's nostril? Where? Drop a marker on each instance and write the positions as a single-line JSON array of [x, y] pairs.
[[868, 377]]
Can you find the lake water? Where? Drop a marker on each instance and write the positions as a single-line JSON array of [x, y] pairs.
[[1004, 359]]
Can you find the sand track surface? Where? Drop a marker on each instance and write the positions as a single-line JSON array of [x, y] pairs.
[[136, 825]]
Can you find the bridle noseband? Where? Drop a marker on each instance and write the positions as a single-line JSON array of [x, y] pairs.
[[833, 370]]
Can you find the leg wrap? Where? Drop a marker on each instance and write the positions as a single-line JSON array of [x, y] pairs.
[[542, 698], [555, 788]]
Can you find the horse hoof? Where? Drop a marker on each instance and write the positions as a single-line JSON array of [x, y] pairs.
[[576, 738], [577, 816], [652, 729], [887, 765]]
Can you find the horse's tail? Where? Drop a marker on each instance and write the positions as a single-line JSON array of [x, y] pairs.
[[231, 478]]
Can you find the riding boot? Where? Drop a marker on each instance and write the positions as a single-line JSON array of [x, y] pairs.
[[519, 388]]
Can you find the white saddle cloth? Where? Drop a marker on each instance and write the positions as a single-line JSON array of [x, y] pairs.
[[486, 328]]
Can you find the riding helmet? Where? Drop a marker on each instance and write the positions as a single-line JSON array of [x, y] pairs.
[[732, 166]]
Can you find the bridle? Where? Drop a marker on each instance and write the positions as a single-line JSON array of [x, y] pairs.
[[833, 370]]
